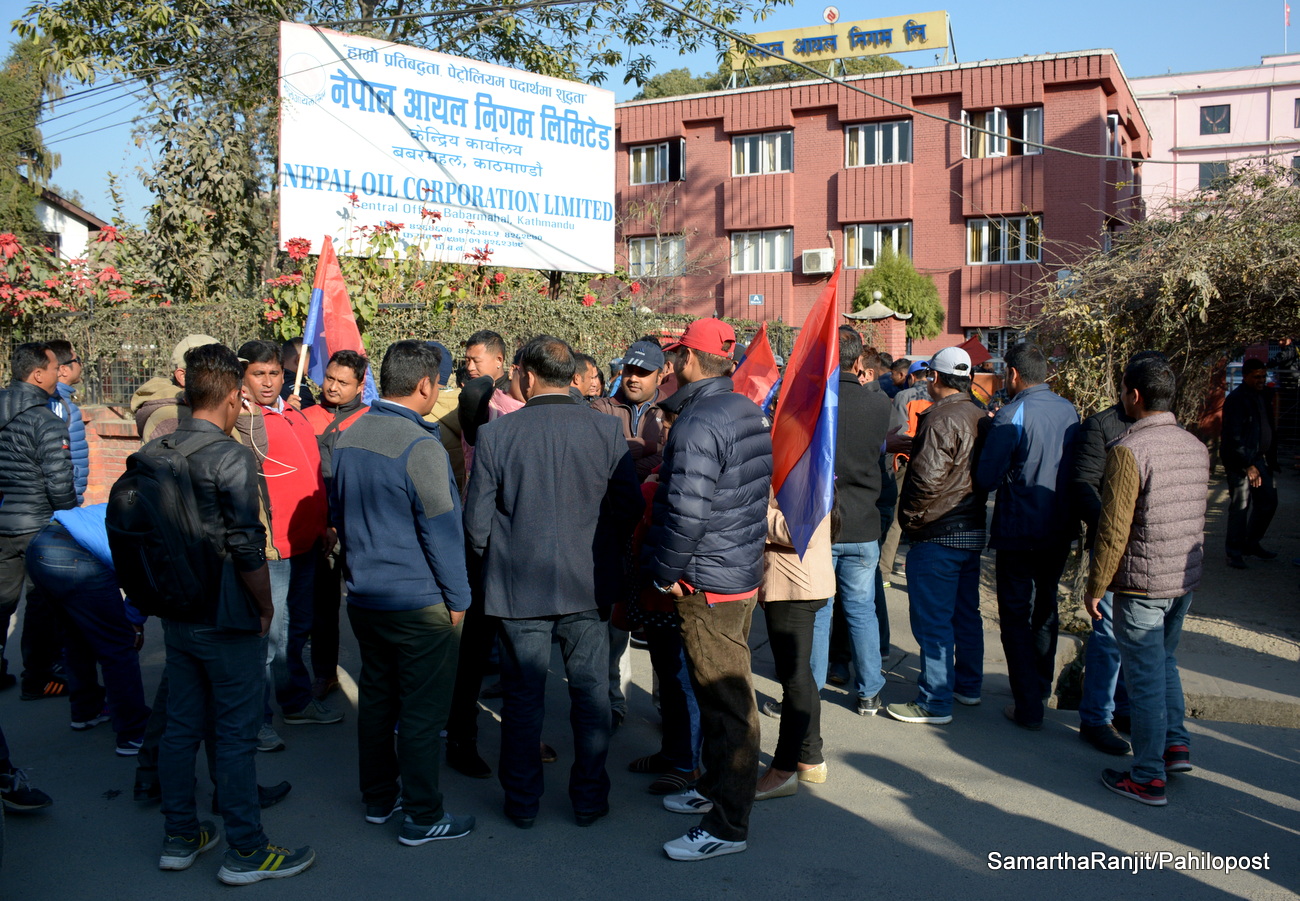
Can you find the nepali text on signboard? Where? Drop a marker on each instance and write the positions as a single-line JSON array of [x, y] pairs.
[[462, 155], [843, 40]]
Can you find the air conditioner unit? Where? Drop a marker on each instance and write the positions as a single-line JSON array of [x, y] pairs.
[[819, 262]]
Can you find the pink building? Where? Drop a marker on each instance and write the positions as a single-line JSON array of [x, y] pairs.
[[1200, 121], [739, 202]]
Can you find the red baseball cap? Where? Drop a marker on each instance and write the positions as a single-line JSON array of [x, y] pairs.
[[710, 336]]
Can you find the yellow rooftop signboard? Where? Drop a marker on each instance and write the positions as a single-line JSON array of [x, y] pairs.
[[844, 40]]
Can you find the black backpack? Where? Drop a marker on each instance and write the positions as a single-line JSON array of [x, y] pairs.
[[164, 560]]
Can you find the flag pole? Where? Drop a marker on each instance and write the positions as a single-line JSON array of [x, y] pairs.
[[302, 365]]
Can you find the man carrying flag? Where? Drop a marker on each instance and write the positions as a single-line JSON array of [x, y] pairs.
[[705, 549]]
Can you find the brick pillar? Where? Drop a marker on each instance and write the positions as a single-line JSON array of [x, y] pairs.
[[112, 436]]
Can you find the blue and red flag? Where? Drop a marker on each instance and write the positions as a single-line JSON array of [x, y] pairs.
[[757, 374], [331, 324], [803, 433]]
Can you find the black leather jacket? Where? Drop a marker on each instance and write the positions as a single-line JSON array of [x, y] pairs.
[[36, 476]]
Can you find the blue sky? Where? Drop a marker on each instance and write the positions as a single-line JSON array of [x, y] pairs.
[[1150, 37]]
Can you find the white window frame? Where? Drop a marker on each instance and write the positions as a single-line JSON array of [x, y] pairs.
[[997, 340], [872, 236], [772, 151], [659, 159], [1004, 240], [978, 145], [869, 143], [656, 256], [770, 250], [1113, 140]]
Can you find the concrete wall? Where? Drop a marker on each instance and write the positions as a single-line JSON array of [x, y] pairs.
[[1263, 122]]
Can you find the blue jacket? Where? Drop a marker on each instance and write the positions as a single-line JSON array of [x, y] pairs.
[[395, 505], [1025, 460], [70, 413], [710, 510], [87, 526]]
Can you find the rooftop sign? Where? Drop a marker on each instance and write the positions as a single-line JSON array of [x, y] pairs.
[[844, 40]]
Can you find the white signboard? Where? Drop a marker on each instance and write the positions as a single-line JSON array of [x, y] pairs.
[[376, 134]]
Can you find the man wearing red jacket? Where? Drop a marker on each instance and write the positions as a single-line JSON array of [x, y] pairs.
[[295, 512]]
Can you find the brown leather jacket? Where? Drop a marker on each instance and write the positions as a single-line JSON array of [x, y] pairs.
[[647, 442], [939, 494]]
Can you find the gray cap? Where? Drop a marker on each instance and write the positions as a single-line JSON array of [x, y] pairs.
[[644, 355], [189, 342]]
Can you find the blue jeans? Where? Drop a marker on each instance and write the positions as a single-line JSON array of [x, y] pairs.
[[85, 596], [293, 596], [1147, 631], [1103, 689], [217, 667], [855, 592], [944, 605], [525, 659], [682, 738]]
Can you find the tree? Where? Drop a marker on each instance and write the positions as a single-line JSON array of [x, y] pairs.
[[25, 163], [1196, 282], [676, 82], [903, 290]]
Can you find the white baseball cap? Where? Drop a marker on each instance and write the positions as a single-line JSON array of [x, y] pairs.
[[951, 361]]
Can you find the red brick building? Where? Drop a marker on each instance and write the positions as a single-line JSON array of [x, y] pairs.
[[724, 192]]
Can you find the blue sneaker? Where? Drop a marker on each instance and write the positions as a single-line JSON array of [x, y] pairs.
[[269, 862], [448, 827], [179, 851]]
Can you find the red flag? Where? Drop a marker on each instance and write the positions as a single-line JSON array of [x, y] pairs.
[[803, 430], [757, 373], [331, 324]]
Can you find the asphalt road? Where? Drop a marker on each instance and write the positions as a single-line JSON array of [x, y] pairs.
[[909, 811]]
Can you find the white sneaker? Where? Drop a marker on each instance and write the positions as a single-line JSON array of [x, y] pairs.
[[689, 801], [699, 845], [268, 739], [966, 700]]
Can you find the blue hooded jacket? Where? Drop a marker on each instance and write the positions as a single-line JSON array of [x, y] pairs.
[[70, 413]]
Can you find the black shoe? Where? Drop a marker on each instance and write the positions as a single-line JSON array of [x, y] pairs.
[[522, 822], [54, 687], [147, 788], [1103, 738], [616, 718], [869, 706], [1122, 723], [586, 819], [16, 793], [838, 675], [1262, 554], [549, 754], [464, 759], [771, 708], [1236, 561], [269, 796]]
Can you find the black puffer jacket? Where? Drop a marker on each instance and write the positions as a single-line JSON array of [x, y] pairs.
[[710, 511], [35, 463]]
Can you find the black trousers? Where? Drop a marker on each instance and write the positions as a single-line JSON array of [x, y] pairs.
[[1028, 583], [790, 631]]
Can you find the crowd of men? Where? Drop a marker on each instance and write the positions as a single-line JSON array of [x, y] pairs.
[[527, 506]]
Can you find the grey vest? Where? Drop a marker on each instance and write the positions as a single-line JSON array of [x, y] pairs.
[[1167, 540]]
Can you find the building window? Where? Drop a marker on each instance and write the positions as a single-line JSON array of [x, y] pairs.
[[878, 143], [1297, 112], [997, 340], [1211, 173], [863, 243], [655, 163], [765, 251], [54, 241], [1216, 120], [1010, 128], [758, 154], [1006, 239], [656, 256], [1114, 146]]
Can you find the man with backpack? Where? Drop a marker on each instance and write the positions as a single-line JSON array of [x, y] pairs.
[[189, 547]]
